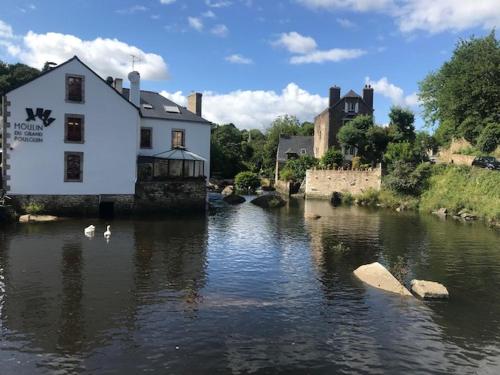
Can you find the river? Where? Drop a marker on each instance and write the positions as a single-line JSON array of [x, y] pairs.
[[245, 290]]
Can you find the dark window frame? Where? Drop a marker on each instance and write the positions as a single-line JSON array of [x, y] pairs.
[[183, 131], [74, 115], [150, 138], [68, 100], [72, 153]]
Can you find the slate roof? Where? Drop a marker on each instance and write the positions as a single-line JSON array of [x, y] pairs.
[[158, 111], [295, 143], [352, 94]]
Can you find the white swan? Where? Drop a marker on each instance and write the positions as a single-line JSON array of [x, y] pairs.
[[107, 234], [89, 231]]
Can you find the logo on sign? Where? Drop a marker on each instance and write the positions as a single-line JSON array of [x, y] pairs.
[[40, 113]]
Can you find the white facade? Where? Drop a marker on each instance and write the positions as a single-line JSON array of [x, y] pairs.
[[197, 138], [35, 153]]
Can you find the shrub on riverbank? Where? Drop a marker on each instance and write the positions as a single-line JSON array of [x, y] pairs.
[[458, 187], [247, 182]]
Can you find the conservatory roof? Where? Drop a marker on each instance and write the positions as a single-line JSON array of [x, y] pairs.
[[179, 154]]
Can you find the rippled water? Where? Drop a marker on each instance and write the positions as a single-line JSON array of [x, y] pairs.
[[247, 291]]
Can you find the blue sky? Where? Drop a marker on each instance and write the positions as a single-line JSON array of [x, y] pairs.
[[252, 59]]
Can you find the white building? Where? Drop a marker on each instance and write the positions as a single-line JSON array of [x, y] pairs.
[[71, 138]]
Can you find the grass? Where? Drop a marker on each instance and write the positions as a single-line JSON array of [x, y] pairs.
[[34, 208], [458, 187]]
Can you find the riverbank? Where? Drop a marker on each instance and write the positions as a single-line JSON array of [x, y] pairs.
[[456, 188]]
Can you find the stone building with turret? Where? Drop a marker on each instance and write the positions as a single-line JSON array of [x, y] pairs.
[[340, 111]]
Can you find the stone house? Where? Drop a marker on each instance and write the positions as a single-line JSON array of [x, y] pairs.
[[340, 111], [73, 142]]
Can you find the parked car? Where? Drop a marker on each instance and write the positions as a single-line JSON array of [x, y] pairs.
[[488, 162]]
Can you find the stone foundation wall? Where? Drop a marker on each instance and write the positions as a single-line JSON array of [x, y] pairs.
[[321, 184], [172, 195], [74, 205], [286, 188]]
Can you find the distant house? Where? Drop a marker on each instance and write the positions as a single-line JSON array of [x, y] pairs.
[[340, 111], [73, 141], [292, 147]]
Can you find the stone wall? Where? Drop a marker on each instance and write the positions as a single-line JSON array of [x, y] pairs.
[[287, 188], [189, 194], [321, 184], [74, 205]]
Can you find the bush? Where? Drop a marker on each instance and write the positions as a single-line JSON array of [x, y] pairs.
[[489, 138], [295, 169], [331, 159], [369, 197], [406, 179], [347, 198], [34, 208], [356, 162], [247, 181]]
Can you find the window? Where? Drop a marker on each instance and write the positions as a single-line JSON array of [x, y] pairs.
[[178, 138], [146, 137], [73, 128], [75, 88], [351, 107], [73, 166], [303, 151]]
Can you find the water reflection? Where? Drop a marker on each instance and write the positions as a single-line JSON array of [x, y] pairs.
[[247, 291]]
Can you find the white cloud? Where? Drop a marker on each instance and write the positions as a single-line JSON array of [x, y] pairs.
[[238, 59], [208, 14], [437, 16], [218, 3], [346, 23], [195, 23], [393, 92], [105, 56], [220, 30], [332, 55], [5, 30], [296, 43], [306, 52], [358, 5], [427, 15], [133, 9], [257, 109], [167, 2]]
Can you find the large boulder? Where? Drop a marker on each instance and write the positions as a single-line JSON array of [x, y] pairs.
[[228, 190], [429, 289], [269, 201], [442, 212], [378, 276], [234, 199]]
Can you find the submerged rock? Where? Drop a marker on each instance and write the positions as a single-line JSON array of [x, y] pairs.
[[37, 218], [429, 289], [378, 276], [443, 212], [269, 201], [234, 199], [312, 216]]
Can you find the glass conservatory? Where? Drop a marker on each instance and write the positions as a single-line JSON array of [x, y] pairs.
[[175, 163]]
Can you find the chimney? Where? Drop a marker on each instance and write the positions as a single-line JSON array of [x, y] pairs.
[[194, 103], [368, 96], [118, 85], [334, 95], [135, 88]]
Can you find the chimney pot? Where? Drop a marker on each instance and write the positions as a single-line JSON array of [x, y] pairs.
[[135, 88], [118, 85]]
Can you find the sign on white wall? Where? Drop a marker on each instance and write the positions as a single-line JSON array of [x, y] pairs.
[[32, 129]]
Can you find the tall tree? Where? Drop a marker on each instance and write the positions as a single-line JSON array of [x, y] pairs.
[[402, 125], [14, 75], [464, 94]]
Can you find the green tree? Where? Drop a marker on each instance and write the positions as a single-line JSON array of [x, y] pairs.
[[331, 159], [464, 94], [226, 151], [354, 133], [14, 75], [489, 139], [377, 139], [247, 182], [295, 169], [402, 124]]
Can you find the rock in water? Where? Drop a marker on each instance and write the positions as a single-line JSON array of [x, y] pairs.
[[379, 277], [228, 190], [234, 199], [269, 201], [429, 289], [37, 218], [312, 216]]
